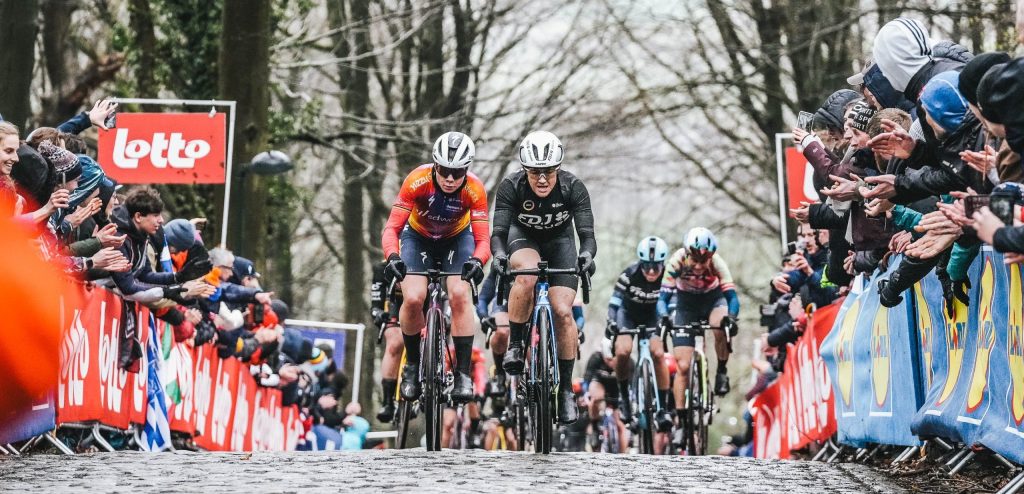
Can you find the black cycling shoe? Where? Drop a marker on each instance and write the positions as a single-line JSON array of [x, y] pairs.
[[386, 413], [568, 412], [496, 387], [410, 382], [663, 419], [626, 409], [722, 384], [515, 359], [462, 391]]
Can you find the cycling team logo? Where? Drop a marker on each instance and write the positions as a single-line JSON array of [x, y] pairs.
[[1015, 346], [986, 339], [956, 339], [880, 356], [926, 332], [528, 205], [844, 352]]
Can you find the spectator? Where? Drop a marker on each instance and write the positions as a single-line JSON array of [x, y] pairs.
[[356, 427]]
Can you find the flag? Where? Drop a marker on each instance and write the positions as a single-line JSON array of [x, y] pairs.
[[156, 434], [169, 365]]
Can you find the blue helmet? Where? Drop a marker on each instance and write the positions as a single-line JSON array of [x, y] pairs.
[[652, 249], [700, 238]]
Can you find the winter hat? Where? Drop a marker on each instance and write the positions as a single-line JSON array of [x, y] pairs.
[[244, 267], [986, 94], [280, 308], [942, 100], [833, 110], [860, 115], [92, 177], [972, 73], [1005, 98], [180, 234], [901, 48], [63, 161], [33, 176]]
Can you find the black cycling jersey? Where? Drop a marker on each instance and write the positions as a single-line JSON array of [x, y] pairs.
[[542, 219], [378, 292], [597, 368], [634, 294]]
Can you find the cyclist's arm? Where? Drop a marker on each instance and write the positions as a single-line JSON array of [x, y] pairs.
[[400, 212], [621, 287], [668, 281], [583, 217], [504, 205], [478, 222], [577, 314], [728, 285]]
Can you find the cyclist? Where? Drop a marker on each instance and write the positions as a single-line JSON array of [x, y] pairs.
[[385, 315], [633, 303], [440, 216], [599, 385], [704, 291], [471, 410], [533, 210], [494, 320]]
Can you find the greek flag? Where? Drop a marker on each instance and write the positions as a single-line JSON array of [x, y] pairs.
[[156, 434]]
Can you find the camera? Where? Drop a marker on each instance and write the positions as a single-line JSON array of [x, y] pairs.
[[804, 120]]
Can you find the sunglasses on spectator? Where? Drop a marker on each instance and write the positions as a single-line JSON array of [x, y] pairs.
[[452, 173], [537, 172]]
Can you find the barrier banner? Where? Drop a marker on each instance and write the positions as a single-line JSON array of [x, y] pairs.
[[183, 414], [294, 429], [942, 337], [837, 350], [205, 368], [30, 423], [334, 339], [217, 432], [1003, 427], [884, 345], [799, 407]]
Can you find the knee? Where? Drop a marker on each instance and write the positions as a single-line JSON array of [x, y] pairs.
[[657, 354], [394, 346], [458, 296], [563, 311], [622, 351], [526, 282], [683, 367], [412, 300]]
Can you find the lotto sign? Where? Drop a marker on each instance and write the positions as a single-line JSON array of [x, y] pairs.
[[799, 179], [165, 148]]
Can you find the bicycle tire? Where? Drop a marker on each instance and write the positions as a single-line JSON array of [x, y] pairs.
[[645, 398], [544, 398], [402, 419], [697, 445], [433, 375]]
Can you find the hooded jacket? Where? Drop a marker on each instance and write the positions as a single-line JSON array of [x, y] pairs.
[[1005, 99], [833, 110], [141, 277], [887, 96], [901, 49]]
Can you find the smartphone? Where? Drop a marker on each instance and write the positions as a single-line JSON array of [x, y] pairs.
[[975, 203], [111, 120], [804, 119], [1001, 205], [791, 248]]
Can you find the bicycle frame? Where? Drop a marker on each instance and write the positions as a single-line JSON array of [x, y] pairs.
[[542, 303]]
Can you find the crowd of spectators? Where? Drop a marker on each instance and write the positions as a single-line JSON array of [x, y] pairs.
[[921, 156], [104, 235]]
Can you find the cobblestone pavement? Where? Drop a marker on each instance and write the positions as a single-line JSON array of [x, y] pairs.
[[419, 471]]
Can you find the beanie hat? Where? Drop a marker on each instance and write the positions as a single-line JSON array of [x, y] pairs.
[[943, 101], [91, 179], [833, 110], [972, 73], [901, 48], [63, 161], [986, 94], [1005, 98], [860, 115], [280, 308], [180, 234]]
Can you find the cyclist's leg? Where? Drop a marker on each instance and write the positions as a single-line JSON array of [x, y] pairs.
[[389, 371], [524, 255], [499, 345], [447, 426], [597, 393], [623, 365], [660, 377], [721, 347], [455, 254], [416, 254], [683, 355]]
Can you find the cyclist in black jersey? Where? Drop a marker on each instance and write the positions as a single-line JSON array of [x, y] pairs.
[[533, 211], [385, 313], [634, 303]]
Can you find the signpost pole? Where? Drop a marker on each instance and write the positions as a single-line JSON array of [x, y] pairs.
[[780, 164]]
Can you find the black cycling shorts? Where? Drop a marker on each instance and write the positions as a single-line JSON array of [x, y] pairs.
[[611, 390], [695, 307], [558, 251]]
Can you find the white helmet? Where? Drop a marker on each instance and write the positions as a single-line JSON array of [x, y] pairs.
[[652, 249], [454, 150], [541, 149], [700, 238]]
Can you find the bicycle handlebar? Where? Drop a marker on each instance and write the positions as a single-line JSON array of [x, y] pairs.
[[435, 276], [543, 271]]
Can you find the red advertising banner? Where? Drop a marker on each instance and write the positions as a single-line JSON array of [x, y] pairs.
[[165, 148], [798, 407], [222, 406], [799, 179]]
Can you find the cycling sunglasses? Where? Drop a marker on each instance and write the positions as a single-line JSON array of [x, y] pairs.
[[537, 172], [650, 266], [452, 173]]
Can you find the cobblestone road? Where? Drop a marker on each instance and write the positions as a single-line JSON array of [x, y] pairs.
[[419, 471]]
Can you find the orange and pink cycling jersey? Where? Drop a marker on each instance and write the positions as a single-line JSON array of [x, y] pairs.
[[686, 275], [436, 215]]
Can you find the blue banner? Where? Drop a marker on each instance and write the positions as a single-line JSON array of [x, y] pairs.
[[41, 418], [837, 352]]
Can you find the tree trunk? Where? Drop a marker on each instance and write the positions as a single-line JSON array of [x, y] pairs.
[[140, 17], [18, 38], [244, 77]]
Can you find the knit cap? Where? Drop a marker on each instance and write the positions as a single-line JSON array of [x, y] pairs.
[[942, 100]]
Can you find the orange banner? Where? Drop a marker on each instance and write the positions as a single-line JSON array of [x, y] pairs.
[[165, 148]]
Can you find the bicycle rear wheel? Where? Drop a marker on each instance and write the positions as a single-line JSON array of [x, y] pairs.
[[697, 435], [433, 380], [403, 418], [645, 399], [544, 393]]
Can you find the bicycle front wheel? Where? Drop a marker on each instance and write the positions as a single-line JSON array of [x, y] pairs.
[[645, 399], [698, 432], [403, 418], [545, 394], [433, 380]]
